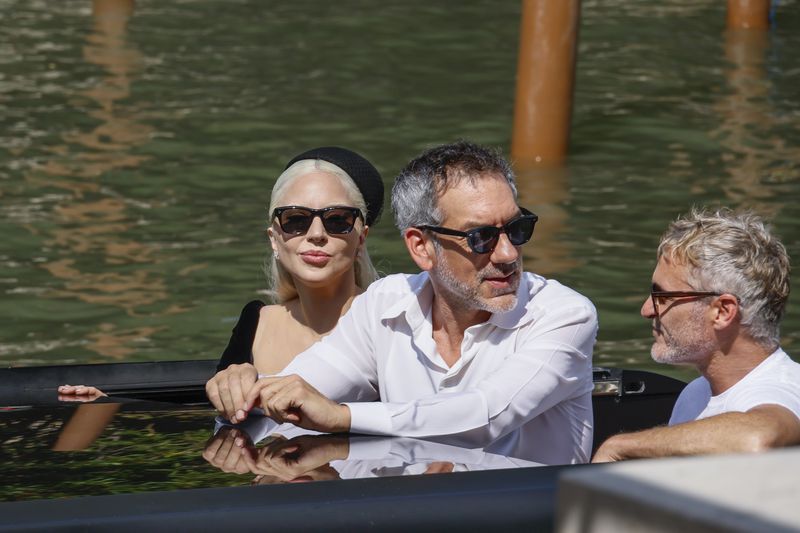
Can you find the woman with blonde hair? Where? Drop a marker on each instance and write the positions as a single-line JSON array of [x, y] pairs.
[[321, 209]]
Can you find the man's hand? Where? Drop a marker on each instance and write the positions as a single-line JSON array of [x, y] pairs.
[[439, 467], [759, 429], [228, 388], [79, 393], [607, 452], [303, 458], [291, 399]]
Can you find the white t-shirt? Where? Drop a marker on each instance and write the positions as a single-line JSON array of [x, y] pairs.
[[523, 382], [776, 380]]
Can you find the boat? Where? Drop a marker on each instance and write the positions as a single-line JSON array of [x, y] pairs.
[[140, 462]]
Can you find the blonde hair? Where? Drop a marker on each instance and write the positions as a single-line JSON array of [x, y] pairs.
[[735, 253], [280, 283]]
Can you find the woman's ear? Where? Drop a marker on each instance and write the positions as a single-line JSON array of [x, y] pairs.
[[420, 248], [361, 240], [271, 236]]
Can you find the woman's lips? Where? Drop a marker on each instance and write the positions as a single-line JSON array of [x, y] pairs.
[[315, 258]]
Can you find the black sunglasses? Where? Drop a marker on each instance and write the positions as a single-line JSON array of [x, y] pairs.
[[337, 219], [483, 240]]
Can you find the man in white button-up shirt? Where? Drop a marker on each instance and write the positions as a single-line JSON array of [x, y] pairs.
[[472, 346]]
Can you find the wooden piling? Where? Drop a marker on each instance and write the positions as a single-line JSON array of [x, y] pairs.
[[748, 14], [545, 81]]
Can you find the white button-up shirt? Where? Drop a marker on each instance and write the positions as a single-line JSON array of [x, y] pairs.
[[523, 383]]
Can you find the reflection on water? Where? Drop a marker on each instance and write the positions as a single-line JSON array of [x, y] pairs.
[[109, 448], [93, 257], [679, 114], [138, 150], [545, 190], [291, 455], [753, 153], [69, 451]]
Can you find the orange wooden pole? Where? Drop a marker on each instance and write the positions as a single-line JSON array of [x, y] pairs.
[[545, 80], [748, 14]]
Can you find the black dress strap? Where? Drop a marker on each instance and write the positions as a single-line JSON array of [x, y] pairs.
[[240, 346]]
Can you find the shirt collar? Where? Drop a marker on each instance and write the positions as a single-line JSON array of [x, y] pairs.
[[417, 303]]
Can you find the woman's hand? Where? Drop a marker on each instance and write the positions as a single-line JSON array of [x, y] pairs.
[[79, 393]]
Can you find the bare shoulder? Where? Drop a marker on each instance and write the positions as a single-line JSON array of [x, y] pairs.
[[272, 309], [270, 314]]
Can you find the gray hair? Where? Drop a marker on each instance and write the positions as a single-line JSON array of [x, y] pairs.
[[416, 191], [736, 253], [280, 282]]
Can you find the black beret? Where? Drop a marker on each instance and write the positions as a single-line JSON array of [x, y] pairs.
[[364, 174]]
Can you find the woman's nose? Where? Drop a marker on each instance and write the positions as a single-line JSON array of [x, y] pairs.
[[317, 230]]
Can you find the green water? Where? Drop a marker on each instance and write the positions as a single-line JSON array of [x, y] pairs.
[[135, 164]]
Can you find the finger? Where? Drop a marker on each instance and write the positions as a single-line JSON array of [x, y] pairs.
[[276, 396], [243, 440], [228, 396], [213, 446], [439, 467], [74, 398], [224, 390], [225, 398], [249, 459], [79, 390], [289, 449], [254, 395], [234, 398], [277, 445], [270, 465], [233, 459], [218, 389], [239, 387], [212, 393], [285, 402], [86, 390], [227, 456]]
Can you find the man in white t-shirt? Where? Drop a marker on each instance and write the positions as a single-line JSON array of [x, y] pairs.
[[471, 347], [719, 293]]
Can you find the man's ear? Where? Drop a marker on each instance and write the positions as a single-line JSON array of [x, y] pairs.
[[420, 248], [726, 311]]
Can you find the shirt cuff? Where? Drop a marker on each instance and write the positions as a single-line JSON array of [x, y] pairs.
[[369, 448], [371, 418]]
